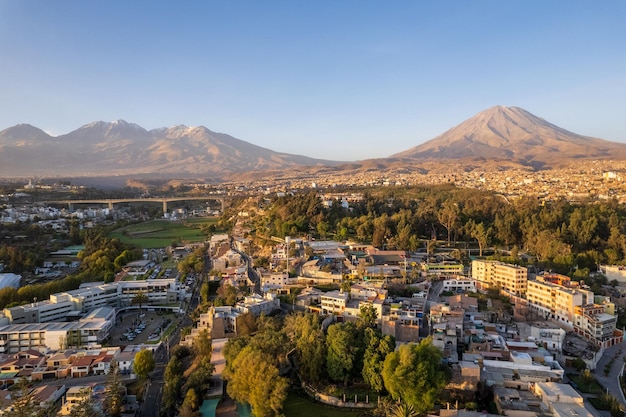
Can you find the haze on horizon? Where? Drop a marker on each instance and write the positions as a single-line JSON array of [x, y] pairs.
[[333, 80]]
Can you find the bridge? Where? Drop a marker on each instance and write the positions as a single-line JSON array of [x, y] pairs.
[[163, 200]]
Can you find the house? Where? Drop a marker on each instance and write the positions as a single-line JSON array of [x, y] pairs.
[[81, 366], [125, 362]]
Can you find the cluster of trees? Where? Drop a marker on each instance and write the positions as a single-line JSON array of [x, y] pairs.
[[194, 262], [101, 259], [346, 353], [187, 378], [562, 235]]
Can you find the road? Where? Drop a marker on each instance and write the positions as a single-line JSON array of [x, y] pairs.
[[152, 395], [432, 297], [154, 389], [611, 381]]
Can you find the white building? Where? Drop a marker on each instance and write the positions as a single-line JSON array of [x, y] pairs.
[[334, 302], [459, 284], [92, 296]]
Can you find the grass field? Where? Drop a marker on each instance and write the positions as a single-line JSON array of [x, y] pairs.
[[297, 406], [161, 233]]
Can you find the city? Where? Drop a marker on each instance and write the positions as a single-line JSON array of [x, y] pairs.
[[500, 324]]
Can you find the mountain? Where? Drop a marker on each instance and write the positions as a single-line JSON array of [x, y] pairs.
[[513, 134], [122, 148]]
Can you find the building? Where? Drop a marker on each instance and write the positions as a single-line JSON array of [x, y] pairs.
[[505, 277], [334, 302], [256, 304], [62, 305], [88, 332], [459, 284], [445, 268], [553, 301], [591, 322]]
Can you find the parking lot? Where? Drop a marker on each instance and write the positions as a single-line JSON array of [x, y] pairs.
[[136, 327]]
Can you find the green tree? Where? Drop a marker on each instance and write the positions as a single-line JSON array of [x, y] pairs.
[[202, 345], [481, 233], [586, 377], [341, 351], [368, 315], [306, 336], [448, 216], [376, 350], [173, 382], [226, 295], [255, 380], [23, 401], [85, 406], [403, 410], [190, 404], [246, 324], [143, 363], [205, 291], [414, 375], [114, 395], [579, 364], [140, 299]]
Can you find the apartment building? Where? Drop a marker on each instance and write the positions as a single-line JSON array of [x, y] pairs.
[[594, 324], [506, 277], [334, 302], [556, 302]]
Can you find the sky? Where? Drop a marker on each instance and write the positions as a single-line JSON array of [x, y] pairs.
[[339, 80]]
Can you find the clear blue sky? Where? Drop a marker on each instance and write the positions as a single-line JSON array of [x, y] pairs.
[[341, 79]]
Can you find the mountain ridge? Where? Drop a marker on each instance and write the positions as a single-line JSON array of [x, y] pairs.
[[512, 133], [121, 147], [496, 137]]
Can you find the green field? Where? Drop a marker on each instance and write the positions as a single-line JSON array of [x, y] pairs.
[[301, 406], [162, 233]]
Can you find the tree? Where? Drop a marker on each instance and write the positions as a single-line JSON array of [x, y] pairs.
[[414, 374], [376, 350], [199, 380], [306, 335], [253, 378], [579, 364], [114, 395], [403, 410], [23, 404], [205, 291], [190, 404], [140, 298], [202, 345], [481, 233], [173, 383], [246, 324], [85, 406], [586, 377], [226, 295], [448, 216], [143, 363], [368, 315], [341, 351]]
